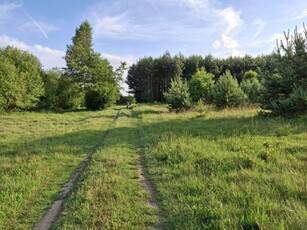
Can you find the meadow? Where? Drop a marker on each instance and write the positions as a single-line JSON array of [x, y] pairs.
[[231, 169]]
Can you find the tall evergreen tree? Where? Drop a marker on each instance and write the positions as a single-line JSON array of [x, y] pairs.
[[93, 74], [285, 90]]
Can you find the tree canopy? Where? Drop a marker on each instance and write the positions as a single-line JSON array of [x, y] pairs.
[[21, 82]]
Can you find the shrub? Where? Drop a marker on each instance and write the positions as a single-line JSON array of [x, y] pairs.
[[226, 92], [251, 86], [200, 85], [178, 96]]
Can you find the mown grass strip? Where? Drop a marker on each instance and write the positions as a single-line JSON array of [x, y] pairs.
[[38, 154], [109, 195], [231, 170]]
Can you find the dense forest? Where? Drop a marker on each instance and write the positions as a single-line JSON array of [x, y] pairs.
[[278, 81]]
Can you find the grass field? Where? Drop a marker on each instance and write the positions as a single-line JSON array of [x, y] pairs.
[[38, 153], [229, 170]]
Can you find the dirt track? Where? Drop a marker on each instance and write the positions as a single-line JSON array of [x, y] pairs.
[[53, 213]]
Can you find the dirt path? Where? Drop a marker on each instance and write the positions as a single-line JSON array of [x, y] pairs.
[[53, 213], [143, 179]]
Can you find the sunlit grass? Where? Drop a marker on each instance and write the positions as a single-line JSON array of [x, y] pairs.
[[229, 170], [109, 195], [38, 153]]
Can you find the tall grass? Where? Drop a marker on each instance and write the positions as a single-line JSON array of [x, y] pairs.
[[109, 195], [230, 170], [38, 153]]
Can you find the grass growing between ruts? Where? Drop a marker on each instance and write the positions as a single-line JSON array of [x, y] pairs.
[[109, 194], [230, 170], [38, 153]]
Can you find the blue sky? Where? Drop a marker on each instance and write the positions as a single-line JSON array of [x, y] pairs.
[[126, 30]]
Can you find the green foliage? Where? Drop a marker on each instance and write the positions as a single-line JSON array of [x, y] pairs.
[[201, 108], [20, 77], [91, 72], [69, 95], [150, 77], [79, 56], [178, 96], [250, 75], [285, 91], [200, 85], [99, 96], [124, 99], [251, 86], [226, 92], [51, 79]]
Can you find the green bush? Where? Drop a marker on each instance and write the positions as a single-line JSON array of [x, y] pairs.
[[69, 95], [200, 85], [226, 92], [21, 84], [178, 96], [251, 86]]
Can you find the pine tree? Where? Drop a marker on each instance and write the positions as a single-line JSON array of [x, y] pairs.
[[178, 96], [285, 90], [226, 92]]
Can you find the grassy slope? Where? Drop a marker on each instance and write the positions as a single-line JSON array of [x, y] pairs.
[[109, 195], [38, 153], [229, 170]]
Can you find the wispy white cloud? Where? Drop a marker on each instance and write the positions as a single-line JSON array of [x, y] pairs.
[[228, 42], [37, 24], [216, 44], [115, 60], [228, 53], [302, 15], [259, 25], [48, 56], [231, 18], [194, 19], [7, 8]]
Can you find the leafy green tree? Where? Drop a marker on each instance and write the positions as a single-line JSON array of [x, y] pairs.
[[251, 86], [226, 92], [51, 79], [178, 96], [104, 89], [79, 56], [285, 91], [93, 75], [68, 94], [200, 85], [21, 84]]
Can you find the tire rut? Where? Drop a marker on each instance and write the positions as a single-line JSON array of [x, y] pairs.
[[53, 213]]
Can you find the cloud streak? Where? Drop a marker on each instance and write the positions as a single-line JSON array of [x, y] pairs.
[[36, 24]]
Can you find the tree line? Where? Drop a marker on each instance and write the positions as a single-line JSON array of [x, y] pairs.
[[278, 81], [88, 80]]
